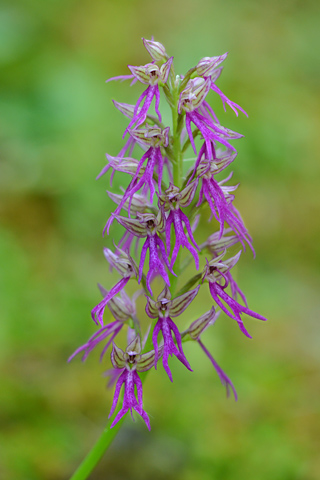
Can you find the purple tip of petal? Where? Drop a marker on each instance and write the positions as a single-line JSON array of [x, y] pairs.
[[168, 371], [118, 417], [108, 224], [184, 361], [120, 77], [103, 171], [165, 364], [244, 330], [74, 354], [146, 419], [105, 348]]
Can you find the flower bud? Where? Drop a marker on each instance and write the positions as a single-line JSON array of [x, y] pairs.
[[207, 65], [201, 324], [155, 49]]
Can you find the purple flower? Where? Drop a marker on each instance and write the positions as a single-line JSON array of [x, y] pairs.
[[131, 379], [155, 137], [191, 99], [148, 225], [207, 68], [171, 201], [119, 164], [138, 203], [216, 195], [151, 75], [110, 330], [161, 162], [124, 265], [224, 379], [195, 331], [122, 309], [218, 275], [130, 362], [164, 309], [220, 160]]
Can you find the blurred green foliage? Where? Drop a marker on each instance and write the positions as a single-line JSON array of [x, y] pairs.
[[57, 121]]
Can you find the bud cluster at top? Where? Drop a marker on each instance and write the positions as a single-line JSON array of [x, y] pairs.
[[159, 211]]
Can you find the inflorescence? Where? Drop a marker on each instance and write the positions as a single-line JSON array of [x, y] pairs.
[[156, 201]]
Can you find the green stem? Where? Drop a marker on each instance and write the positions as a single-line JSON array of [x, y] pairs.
[[96, 453], [177, 124], [176, 130]]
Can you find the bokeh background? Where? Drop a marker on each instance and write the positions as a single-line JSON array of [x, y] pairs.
[[57, 122]]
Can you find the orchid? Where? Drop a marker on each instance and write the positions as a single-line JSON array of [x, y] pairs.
[[218, 275], [155, 138], [126, 266], [207, 68], [129, 363], [148, 225], [191, 99], [122, 309], [220, 201], [159, 211], [163, 309], [151, 75], [171, 201]]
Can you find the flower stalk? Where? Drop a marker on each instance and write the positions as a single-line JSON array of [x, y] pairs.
[[159, 211]]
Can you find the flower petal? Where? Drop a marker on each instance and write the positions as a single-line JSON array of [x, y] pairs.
[[134, 226], [117, 357], [134, 348], [179, 304]]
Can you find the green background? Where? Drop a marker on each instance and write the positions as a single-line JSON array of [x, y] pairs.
[[57, 122]]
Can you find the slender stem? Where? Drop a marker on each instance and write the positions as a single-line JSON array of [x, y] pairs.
[[177, 164], [176, 130], [96, 453]]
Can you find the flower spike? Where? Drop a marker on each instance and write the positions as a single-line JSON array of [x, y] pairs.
[[159, 212]]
